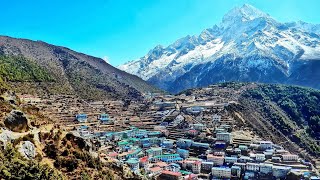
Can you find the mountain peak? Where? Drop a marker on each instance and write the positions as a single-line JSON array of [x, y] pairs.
[[249, 45], [244, 13]]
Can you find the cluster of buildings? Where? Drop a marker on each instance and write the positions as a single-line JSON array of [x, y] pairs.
[[154, 155], [175, 137], [191, 138], [102, 118]]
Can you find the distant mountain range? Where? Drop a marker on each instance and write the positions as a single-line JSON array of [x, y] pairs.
[[43, 69], [247, 46]]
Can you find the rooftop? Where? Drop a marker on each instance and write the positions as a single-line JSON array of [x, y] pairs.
[[161, 164], [221, 168], [172, 173], [155, 169], [144, 159], [132, 161]]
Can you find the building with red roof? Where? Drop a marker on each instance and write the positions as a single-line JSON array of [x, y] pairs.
[[155, 170], [144, 161], [169, 175], [161, 164]]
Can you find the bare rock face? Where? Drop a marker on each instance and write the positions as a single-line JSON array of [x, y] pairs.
[[27, 149], [16, 121]]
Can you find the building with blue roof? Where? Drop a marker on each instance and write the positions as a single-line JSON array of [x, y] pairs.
[[200, 145], [168, 158], [154, 134], [174, 167], [184, 143], [82, 118], [220, 145], [183, 153], [168, 144], [104, 119]]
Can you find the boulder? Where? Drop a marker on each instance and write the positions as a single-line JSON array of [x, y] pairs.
[[5, 137], [16, 121], [27, 149]]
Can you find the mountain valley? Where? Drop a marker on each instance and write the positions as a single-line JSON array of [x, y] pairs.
[[239, 101]]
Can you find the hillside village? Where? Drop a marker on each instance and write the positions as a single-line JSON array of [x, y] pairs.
[[192, 135], [236, 97]]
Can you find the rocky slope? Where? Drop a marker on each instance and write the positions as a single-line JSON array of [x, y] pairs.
[[43, 68], [248, 45], [32, 148]]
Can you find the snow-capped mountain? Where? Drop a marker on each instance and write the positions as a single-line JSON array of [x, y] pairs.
[[248, 45]]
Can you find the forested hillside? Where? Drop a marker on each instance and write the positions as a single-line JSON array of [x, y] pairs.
[[293, 110], [39, 68], [15, 68]]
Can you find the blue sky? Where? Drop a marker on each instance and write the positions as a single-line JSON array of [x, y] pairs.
[[124, 30]]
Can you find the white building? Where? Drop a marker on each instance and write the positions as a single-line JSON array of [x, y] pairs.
[[230, 159], [195, 110], [226, 137], [221, 172], [154, 151], [290, 157], [241, 165], [260, 157], [252, 167], [199, 127], [244, 159], [216, 118], [196, 167]]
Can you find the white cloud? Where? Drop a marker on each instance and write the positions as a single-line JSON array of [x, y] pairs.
[[106, 58]]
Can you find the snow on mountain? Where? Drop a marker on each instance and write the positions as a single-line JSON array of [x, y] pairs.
[[246, 37], [311, 28], [242, 14]]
